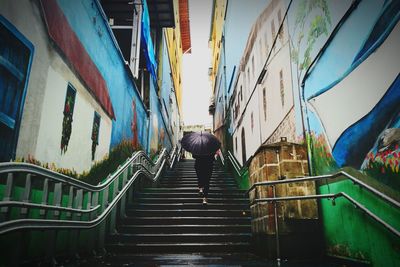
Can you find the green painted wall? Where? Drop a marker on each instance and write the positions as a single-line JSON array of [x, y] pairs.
[[352, 234]]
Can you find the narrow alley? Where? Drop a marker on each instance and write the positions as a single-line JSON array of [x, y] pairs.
[[200, 133]]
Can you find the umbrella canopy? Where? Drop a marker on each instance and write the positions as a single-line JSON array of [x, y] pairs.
[[200, 143]]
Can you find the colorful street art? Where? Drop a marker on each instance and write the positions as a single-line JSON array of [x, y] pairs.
[[134, 128], [312, 23], [352, 92]]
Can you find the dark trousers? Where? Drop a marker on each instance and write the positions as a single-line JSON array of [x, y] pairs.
[[204, 167]]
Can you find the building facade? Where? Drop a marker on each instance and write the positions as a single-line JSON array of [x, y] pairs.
[[78, 79], [227, 49], [312, 73]]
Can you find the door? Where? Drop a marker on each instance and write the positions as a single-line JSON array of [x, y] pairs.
[[15, 57]]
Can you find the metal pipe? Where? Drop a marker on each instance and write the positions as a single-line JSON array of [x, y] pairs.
[[334, 196], [330, 176], [278, 252]]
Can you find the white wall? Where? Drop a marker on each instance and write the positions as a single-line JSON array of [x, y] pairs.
[[79, 153], [279, 60], [41, 123]]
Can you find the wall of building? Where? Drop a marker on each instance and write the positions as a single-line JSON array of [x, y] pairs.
[[261, 120], [237, 24], [341, 88], [78, 155], [215, 38], [174, 44], [230, 51], [358, 68], [42, 120], [131, 121], [32, 112], [55, 66]]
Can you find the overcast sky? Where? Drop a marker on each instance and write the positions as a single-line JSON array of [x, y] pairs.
[[196, 85]]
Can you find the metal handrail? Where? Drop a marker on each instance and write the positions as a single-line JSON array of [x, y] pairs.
[[333, 197], [275, 199], [9, 226], [330, 176], [238, 169], [145, 167], [175, 155], [221, 157], [12, 167]]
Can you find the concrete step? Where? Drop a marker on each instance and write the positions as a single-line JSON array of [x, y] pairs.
[[181, 247], [192, 206], [196, 199], [185, 228], [186, 220], [204, 211], [180, 238]]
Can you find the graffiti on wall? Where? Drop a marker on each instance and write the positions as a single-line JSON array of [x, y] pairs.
[[352, 93]]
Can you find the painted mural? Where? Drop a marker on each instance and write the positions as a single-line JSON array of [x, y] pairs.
[[158, 135], [160, 108], [312, 23], [352, 93], [127, 104]]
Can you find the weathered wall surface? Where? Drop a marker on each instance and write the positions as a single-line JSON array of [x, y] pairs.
[[340, 73], [352, 96], [78, 155], [131, 121], [41, 128]]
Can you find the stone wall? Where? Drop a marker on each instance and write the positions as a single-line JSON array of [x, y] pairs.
[[280, 161], [286, 128]]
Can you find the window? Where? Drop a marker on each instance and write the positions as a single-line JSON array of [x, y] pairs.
[[266, 41], [248, 77], [265, 103], [282, 89], [252, 121], [95, 133], [68, 111], [15, 57], [128, 35], [241, 93], [252, 65], [236, 146], [280, 16], [273, 29], [280, 22]]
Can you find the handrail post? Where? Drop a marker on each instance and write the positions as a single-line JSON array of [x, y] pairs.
[[8, 192], [278, 253], [27, 193]]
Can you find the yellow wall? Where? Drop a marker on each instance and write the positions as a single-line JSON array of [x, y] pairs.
[[217, 22], [174, 45]]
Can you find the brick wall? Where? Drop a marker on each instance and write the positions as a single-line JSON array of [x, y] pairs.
[[278, 161], [287, 128]]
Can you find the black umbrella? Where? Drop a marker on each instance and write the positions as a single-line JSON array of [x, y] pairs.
[[200, 143]]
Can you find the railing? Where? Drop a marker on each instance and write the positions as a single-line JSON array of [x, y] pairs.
[[235, 164], [233, 161], [331, 176], [240, 173], [356, 181], [59, 202]]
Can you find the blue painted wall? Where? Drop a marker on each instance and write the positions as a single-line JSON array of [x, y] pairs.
[[360, 145], [99, 44]]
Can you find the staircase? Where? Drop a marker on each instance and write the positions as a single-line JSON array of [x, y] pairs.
[[171, 219]]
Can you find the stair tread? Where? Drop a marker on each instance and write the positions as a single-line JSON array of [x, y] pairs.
[[193, 217], [182, 234], [171, 217], [182, 244]]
